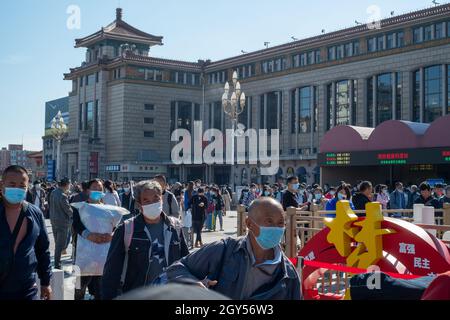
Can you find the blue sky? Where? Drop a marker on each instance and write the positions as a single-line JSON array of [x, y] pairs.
[[37, 47]]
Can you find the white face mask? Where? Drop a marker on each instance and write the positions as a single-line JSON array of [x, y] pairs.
[[152, 211]]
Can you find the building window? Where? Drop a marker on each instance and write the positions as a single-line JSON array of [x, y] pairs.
[[340, 52], [428, 33], [342, 103], [372, 45], [330, 106], [273, 65], [96, 117], [90, 117], [292, 111], [356, 48], [418, 35], [81, 82], [370, 102], [184, 115], [148, 120], [273, 104], [262, 124], [384, 98], [400, 39], [96, 77], [149, 134], [348, 48], [439, 30], [316, 109], [380, 43], [318, 58], [332, 53], [304, 109], [216, 115], [433, 93], [149, 107], [390, 41]]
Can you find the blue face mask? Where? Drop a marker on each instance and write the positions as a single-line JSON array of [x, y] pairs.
[[267, 193], [341, 196], [296, 186], [96, 195], [269, 237], [15, 195]]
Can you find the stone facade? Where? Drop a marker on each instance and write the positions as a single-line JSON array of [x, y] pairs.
[[122, 91]]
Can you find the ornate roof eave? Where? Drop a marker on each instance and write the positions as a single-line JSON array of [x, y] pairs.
[[101, 35], [332, 37], [161, 62]]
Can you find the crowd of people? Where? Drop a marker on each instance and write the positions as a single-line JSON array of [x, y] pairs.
[[152, 245], [300, 195]]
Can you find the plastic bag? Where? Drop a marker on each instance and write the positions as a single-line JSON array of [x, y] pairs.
[[187, 219], [97, 218]]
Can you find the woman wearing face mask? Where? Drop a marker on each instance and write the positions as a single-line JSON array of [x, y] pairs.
[[111, 196], [342, 193], [382, 195], [93, 283], [144, 246]]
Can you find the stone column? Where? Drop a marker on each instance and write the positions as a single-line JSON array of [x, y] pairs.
[[375, 101], [394, 96], [444, 89]]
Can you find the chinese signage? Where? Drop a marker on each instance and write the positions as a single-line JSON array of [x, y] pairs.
[[51, 170], [428, 156], [338, 158]]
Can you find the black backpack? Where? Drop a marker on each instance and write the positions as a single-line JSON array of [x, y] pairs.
[[7, 254]]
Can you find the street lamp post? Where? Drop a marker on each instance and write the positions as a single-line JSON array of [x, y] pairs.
[[233, 105], [58, 130]]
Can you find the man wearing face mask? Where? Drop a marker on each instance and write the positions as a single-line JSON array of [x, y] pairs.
[[290, 195], [61, 216], [24, 243], [248, 268], [93, 283], [143, 246]]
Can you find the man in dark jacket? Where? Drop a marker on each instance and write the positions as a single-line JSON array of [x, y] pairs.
[[427, 198], [248, 268], [290, 194], [61, 215], [83, 195], [198, 205], [143, 246], [363, 196], [127, 200], [22, 253]]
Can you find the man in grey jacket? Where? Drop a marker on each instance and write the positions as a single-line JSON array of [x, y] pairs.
[[170, 203], [61, 218], [248, 268]]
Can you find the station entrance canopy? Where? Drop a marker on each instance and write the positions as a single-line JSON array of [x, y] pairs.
[[395, 150]]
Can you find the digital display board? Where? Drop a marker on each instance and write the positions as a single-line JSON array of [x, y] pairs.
[[385, 157]]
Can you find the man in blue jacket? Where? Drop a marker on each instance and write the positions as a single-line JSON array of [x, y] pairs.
[[248, 268], [24, 243]]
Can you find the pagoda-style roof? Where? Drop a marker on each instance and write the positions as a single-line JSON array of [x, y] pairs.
[[119, 30]]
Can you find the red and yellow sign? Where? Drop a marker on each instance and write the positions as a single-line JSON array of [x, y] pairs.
[[393, 245]]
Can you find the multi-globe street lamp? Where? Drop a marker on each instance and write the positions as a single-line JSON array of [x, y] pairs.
[[233, 104], [58, 131]]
